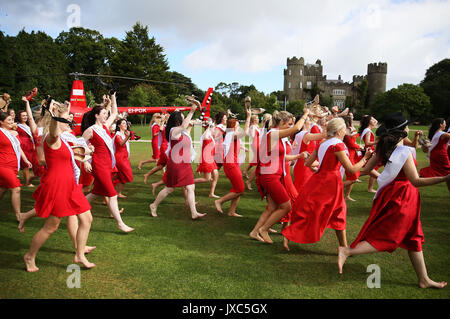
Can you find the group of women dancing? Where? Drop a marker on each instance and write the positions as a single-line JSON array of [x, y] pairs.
[[304, 167]]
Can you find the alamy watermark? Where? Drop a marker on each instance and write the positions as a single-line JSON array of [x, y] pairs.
[[74, 279], [74, 19], [374, 279]]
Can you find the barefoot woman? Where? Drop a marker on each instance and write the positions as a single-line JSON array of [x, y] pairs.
[[59, 195]]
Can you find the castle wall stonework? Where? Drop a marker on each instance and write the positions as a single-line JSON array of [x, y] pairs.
[[299, 77]]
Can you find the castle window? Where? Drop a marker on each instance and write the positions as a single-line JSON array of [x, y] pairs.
[[338, 92], [301, 72], [301, 84], [308, 84], [289, 72], [290, 85]]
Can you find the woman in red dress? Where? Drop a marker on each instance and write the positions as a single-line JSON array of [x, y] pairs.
[[321, 203], [231, 165], [394, 219], [122, 154], [305, 141], [353, 149], [10, 157], [271, 173], [438, 151], [207, 165], [162, 161], [156, 126], [27, 144], [59, 195], [95, 125], [180, 155], [368, 123]]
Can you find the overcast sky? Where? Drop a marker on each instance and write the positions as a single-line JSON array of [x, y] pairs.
[[248, 41]]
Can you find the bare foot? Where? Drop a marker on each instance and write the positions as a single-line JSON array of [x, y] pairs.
[[350, 199], [83, 260], [30, 264], [249, 185], [358, 180], [246, 175], [214, 196], [125, 228], [140, 165], [88, 249], [153, 210], [145, 179], [154, 185], [121, 196], [30, 185], [218, 206], [197, 216], [256, 236], [371, 191], [428, 283], [234, 215], [23, 219], [286, 243], [265, 235], [343, 253], [272, 231]]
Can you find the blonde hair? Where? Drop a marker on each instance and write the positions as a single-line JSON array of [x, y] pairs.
[[253, 119], [61, 108], [266, 118], [279, 117], [156, 118], [334, 126]]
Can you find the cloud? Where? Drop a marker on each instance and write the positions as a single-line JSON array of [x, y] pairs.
[[256, 37]]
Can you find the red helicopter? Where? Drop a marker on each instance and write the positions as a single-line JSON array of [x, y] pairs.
[[78, 106]]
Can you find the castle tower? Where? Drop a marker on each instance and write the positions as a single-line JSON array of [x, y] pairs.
[[376, 77], [294, 78]]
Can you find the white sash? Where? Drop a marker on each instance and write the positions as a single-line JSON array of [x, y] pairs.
[[159, 135], [108, 141], [283, 140], [298, 140], [185, 133], [127, 143], [15, 143], [435, 141], [40, 131], [323, 150], [366, 130], [222, 127], [393, 166], [69, 137], [27, 130], [76, 170]]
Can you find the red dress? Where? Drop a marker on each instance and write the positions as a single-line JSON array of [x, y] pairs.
[[179, 169], [102, 167], [162, 150], [27, 145], [350, 142], [302, 173], [321, 203], [271, 173], [290, 187], [232, 169], [125, 174], [58, 193], [9, 162], [255, 148], [207, 164], [155, 141], [394, 219], [439, 161], [218, 151]]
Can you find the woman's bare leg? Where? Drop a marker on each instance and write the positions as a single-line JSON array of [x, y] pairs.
[[50, 226], [215, 178], [271, 207], [161, 195], [362, 248], [274, 217], [152, 171], [371, 182], [156, 185], [230, 196], [190, 189], [206, 178], [27, 177], [348, 190], [72, 228], [342, 238], [418, 263], [150, 160], [15, 201], [24, 218], [233, 205], [81, 239], [250, 180], [119, 189], [113, 206]]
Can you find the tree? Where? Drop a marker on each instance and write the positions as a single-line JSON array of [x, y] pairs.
[[295, 107], [436, 85], [409, 99]]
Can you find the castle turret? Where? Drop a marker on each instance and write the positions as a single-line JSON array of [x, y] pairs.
[[294, 78], [376, 77]]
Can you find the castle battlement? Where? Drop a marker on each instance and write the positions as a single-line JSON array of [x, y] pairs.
[[377, 68], [358, 78], [295, 61]]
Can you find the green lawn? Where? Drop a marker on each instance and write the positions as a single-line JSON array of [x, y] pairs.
[[174, 257]]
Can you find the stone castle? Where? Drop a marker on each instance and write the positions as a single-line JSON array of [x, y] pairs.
[[301, 78]]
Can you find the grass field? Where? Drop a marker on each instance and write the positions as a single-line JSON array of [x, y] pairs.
[[174, 257]]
